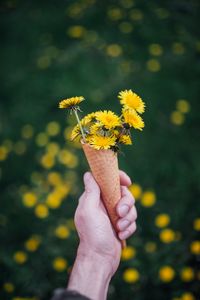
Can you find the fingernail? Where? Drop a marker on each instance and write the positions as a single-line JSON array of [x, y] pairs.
[[123, 210], [123, 224]]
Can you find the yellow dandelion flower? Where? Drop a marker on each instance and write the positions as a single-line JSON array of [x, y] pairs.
[[187, 296], [132, 119], [148, 198], [125, 139], [41, 211], [71, 103], [108, 119], [167, 235], [20, 257], [131, 275], [33, 243], [166, 273], [53, 200], [150, 247], [8, 287], [195, 247], [88, 118], [162, 220], [96, 128], [62, 232], [59, 264], [128, 253], [131, 100], [136, 190], [75, 132], [29, 199], [187, 274], [196, 224], [183, 106], [102, 142]]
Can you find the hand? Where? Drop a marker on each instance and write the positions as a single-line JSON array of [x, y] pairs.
[[96, 234], [99, 251]]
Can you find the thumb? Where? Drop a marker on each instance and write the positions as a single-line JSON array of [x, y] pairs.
[[92, 191]]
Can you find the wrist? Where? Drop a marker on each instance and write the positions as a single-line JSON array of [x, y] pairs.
[[91, 274]]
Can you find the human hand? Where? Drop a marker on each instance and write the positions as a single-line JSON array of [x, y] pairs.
[[97, 236], [99, 250]]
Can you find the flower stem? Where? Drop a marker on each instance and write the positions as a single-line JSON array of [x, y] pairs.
[[79, 123]]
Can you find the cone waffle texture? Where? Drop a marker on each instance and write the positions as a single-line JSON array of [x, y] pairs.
[[104, 167]]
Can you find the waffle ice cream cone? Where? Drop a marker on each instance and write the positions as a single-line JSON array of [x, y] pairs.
[[104, 167]]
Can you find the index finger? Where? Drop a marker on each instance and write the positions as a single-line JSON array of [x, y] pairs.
[[124, 178]]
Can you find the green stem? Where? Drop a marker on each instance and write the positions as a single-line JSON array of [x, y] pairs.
[[79, 123]]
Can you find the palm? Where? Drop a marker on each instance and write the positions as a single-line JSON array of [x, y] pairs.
[[96, 230]]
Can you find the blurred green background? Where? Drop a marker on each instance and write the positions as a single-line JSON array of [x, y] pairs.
[[52, 50]]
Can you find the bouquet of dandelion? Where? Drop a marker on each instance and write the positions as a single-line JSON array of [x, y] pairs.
[[101, 133]]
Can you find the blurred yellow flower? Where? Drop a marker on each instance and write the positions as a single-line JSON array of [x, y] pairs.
[[148, 198], [196, 224], [33, 243], [71, 103], [114, 50], [183, 106], [136, 14], [131, 275], [128, 253], [67, 158], [115, 14], [8, 144], [195, 247], [187, 296], [177, 118], [131, 100], [76, 31], [29, 199], [54, 178], [187, 274], [153, 65], [102, 142], [59, 264], [20, 257], [178, 48], [167, 235], [53, 200], [41, 211], [132, 119], [62, 232], [108, 119], [41, 139], [127, 3], [53, 128], [136, 190], [162, 13], [43, 62], [125, 27], [19, 148], [155, 49], [162, 220], [150, 247], [8, 287], [62, 190], [166, 273], [125, 139], [27, 131], [47, 161]]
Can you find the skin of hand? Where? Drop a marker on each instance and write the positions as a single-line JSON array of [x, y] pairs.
[[99, 250]]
